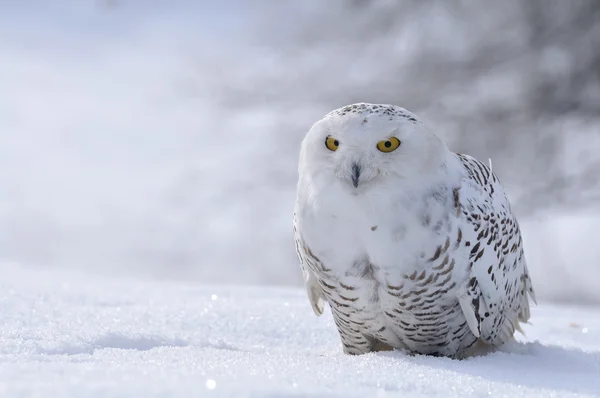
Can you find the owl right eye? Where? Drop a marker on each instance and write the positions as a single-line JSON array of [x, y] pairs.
[[331, 143]]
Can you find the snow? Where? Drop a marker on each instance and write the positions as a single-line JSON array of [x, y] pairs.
[[73, 335], [116, 159]]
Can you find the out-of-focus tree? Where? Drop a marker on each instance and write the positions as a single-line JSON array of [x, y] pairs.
[[497, 79], [515, 81]]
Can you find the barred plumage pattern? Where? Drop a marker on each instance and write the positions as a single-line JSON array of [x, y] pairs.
[[470, 283]]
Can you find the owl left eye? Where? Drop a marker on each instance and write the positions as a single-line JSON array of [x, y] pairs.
[[389, 145], [331, 143]]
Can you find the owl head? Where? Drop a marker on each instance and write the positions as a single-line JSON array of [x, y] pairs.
[[364, 144]]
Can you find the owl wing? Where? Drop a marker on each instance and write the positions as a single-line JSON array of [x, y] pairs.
[[494, 299], [307, 261]]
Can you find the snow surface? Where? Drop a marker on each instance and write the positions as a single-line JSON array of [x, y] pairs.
[[71, 335]]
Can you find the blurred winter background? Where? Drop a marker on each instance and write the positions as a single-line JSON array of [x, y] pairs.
[[159, 139]]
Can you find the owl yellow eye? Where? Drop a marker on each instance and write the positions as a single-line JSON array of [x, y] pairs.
[[331, 143], [389, 145]]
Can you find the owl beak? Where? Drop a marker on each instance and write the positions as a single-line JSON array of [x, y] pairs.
[[355, 174]]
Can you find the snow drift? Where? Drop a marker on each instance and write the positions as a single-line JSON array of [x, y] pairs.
[[68, 335]]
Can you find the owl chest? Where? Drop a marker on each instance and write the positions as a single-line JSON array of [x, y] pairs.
[[381, 232], [386, 267]]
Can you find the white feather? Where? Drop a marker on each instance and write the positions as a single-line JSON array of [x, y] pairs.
[[406, 251]]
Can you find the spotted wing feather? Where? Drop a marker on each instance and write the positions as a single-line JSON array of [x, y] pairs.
[[494, 298], [307, 263]]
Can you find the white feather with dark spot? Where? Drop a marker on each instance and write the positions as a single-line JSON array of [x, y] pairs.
[[415, 249]]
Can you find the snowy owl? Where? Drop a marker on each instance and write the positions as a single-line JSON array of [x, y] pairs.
[[414, 247]]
